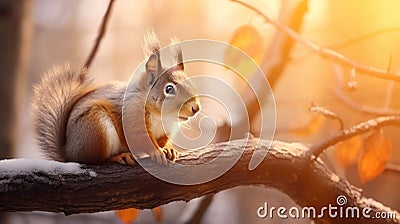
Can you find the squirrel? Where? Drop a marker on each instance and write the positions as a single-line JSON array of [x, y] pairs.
[[76, 120]]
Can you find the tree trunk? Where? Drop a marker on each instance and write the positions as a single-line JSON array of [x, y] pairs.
[[15, 34]]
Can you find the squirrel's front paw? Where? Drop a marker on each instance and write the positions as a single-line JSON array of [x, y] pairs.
[[125, 158], [170, 153], [162, 154], [159, 157]]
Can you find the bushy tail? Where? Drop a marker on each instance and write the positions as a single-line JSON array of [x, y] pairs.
[[54, 97]]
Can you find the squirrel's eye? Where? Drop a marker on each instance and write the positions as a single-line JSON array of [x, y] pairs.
[[170, 89]]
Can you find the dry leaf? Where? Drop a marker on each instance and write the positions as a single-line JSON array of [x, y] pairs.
[[250, 41], [376, 153], [127, 215], [157, 212], [346, 152], [312, 126]]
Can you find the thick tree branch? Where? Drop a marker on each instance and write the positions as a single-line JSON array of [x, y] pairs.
[[111, 186], [324, 52]]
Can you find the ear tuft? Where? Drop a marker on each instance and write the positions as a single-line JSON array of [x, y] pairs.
[[177, 52], [151, 43]]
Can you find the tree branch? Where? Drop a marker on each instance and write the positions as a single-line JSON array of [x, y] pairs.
[[100, 35], [324, 52], [327, 113], [362, 108], [393, 167], [365, 37], [355, 130], [338, 92], [111, 186], [279, 54], [201, 210]]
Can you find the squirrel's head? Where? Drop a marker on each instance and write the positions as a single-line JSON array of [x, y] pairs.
[[170, 90]]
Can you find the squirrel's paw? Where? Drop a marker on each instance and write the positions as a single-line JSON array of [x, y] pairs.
[[170, 153], [125, 158], [162, 154], [159, 157]]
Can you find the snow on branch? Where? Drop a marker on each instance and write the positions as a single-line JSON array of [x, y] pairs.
[[28, 185]]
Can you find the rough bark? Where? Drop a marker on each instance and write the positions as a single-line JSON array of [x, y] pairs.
[[286, 168]]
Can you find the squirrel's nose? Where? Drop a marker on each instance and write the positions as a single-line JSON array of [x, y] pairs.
[[195, 108]]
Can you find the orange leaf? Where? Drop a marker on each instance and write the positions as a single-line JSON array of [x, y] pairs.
[[250, 41], [127, 215], [157, 212], [376, 153], [312, 127], [346, 152]]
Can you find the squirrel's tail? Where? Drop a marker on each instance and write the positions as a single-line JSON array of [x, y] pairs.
[[54, 97]]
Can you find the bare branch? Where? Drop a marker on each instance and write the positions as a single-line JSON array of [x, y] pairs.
[[201, 210], [362, 108], [392, 167], [100, 35], [365, 37], [358, 129], [281, 55], [325, 52], [327, 113], [111, 186], [338, 92]]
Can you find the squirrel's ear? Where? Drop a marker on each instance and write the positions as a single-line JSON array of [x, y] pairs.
[[151, 49], [177, 51], [153, 67], [179, 60]]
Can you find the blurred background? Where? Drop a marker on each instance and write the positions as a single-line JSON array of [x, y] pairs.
[[38, 34]]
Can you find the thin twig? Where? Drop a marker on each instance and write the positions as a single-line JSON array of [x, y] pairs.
[[392, 167], [348, 133], [338, 92], [100, 35], [390, 86], [362, 108], [324, 52], [327, 113], [365, 37]]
